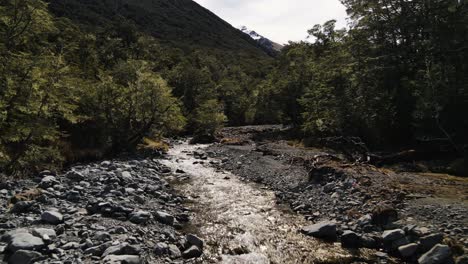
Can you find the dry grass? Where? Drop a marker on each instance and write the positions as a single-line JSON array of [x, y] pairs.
[[233, 141], [28, 195], [154, 145]]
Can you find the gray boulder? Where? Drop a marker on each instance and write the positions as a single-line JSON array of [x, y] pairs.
[[192, 252], [389, 236], [75, 176], [47, 181], [161, 249], [164, 218], [324, 230], [174, 251], [25, 241], [193, 240], [44, 232], [409, 250], [122, 249], [139, 217], [52, 217], [429, 241], [24, 257], [350, 239], [122, 259], [439, 254]]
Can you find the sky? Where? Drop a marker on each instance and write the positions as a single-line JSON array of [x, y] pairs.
[[278, 20]]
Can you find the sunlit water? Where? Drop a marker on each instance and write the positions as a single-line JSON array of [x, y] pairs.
[[240, 222]]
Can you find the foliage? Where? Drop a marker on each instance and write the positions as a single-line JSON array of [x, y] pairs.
[[85, 77], [398, 75], [77, 83], [208, 117]]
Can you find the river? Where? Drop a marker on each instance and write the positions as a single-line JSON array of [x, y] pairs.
[[241, 222]]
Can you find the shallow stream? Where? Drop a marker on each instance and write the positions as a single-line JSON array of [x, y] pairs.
[[241, 222]]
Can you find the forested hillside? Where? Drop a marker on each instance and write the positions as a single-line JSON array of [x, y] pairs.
[[183, 23], [82, 79], [85, 79]]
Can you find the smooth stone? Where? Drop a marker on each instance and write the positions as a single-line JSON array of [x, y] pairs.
[[70, 245], [193, 240], [392, 235], [192, 252], [122, 249], [174, 251], [24, 257], [439, 254], [47, 182], [325, 230], [408, 250], [161, 249], [350, 239], [42, 232], [52, 217], [25, 241], [75, 176], [139, 217], [164, 218], [429, 241], [122, 259]]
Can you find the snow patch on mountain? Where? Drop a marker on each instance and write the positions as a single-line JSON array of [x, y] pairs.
[[266, 43]]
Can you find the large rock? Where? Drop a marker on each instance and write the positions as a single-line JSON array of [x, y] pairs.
[[24, 257], [47, 181], [409, 250], [439, 254], [140, 217], [52, 217], [98, 250], [350, 239], [174, 251], [75, 176], [122, 259], [44, 233], [193, 240], [324, 230], [161, 248], [24, 241], [192, 252], [389, 236], [122, 249], [429, 241], [164, 218], [8, 236]]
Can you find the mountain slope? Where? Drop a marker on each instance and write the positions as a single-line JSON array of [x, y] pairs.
[[270, 46], [181, 22]]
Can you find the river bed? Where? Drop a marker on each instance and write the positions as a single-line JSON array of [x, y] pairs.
[[241, 222]]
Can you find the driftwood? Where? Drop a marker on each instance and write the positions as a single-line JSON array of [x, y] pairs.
[[422, 150]]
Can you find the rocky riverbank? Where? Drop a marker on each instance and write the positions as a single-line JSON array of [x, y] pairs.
[[254, 198], [409, 216], [107, 212]]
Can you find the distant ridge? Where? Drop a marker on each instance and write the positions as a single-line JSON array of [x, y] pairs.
[[266, 43]]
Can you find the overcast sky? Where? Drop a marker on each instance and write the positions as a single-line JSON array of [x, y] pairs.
[[279, 20]]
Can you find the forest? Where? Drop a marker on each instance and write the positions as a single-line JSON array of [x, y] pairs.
[[397, 78]]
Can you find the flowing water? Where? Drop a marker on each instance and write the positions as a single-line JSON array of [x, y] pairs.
[[241, 222]]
